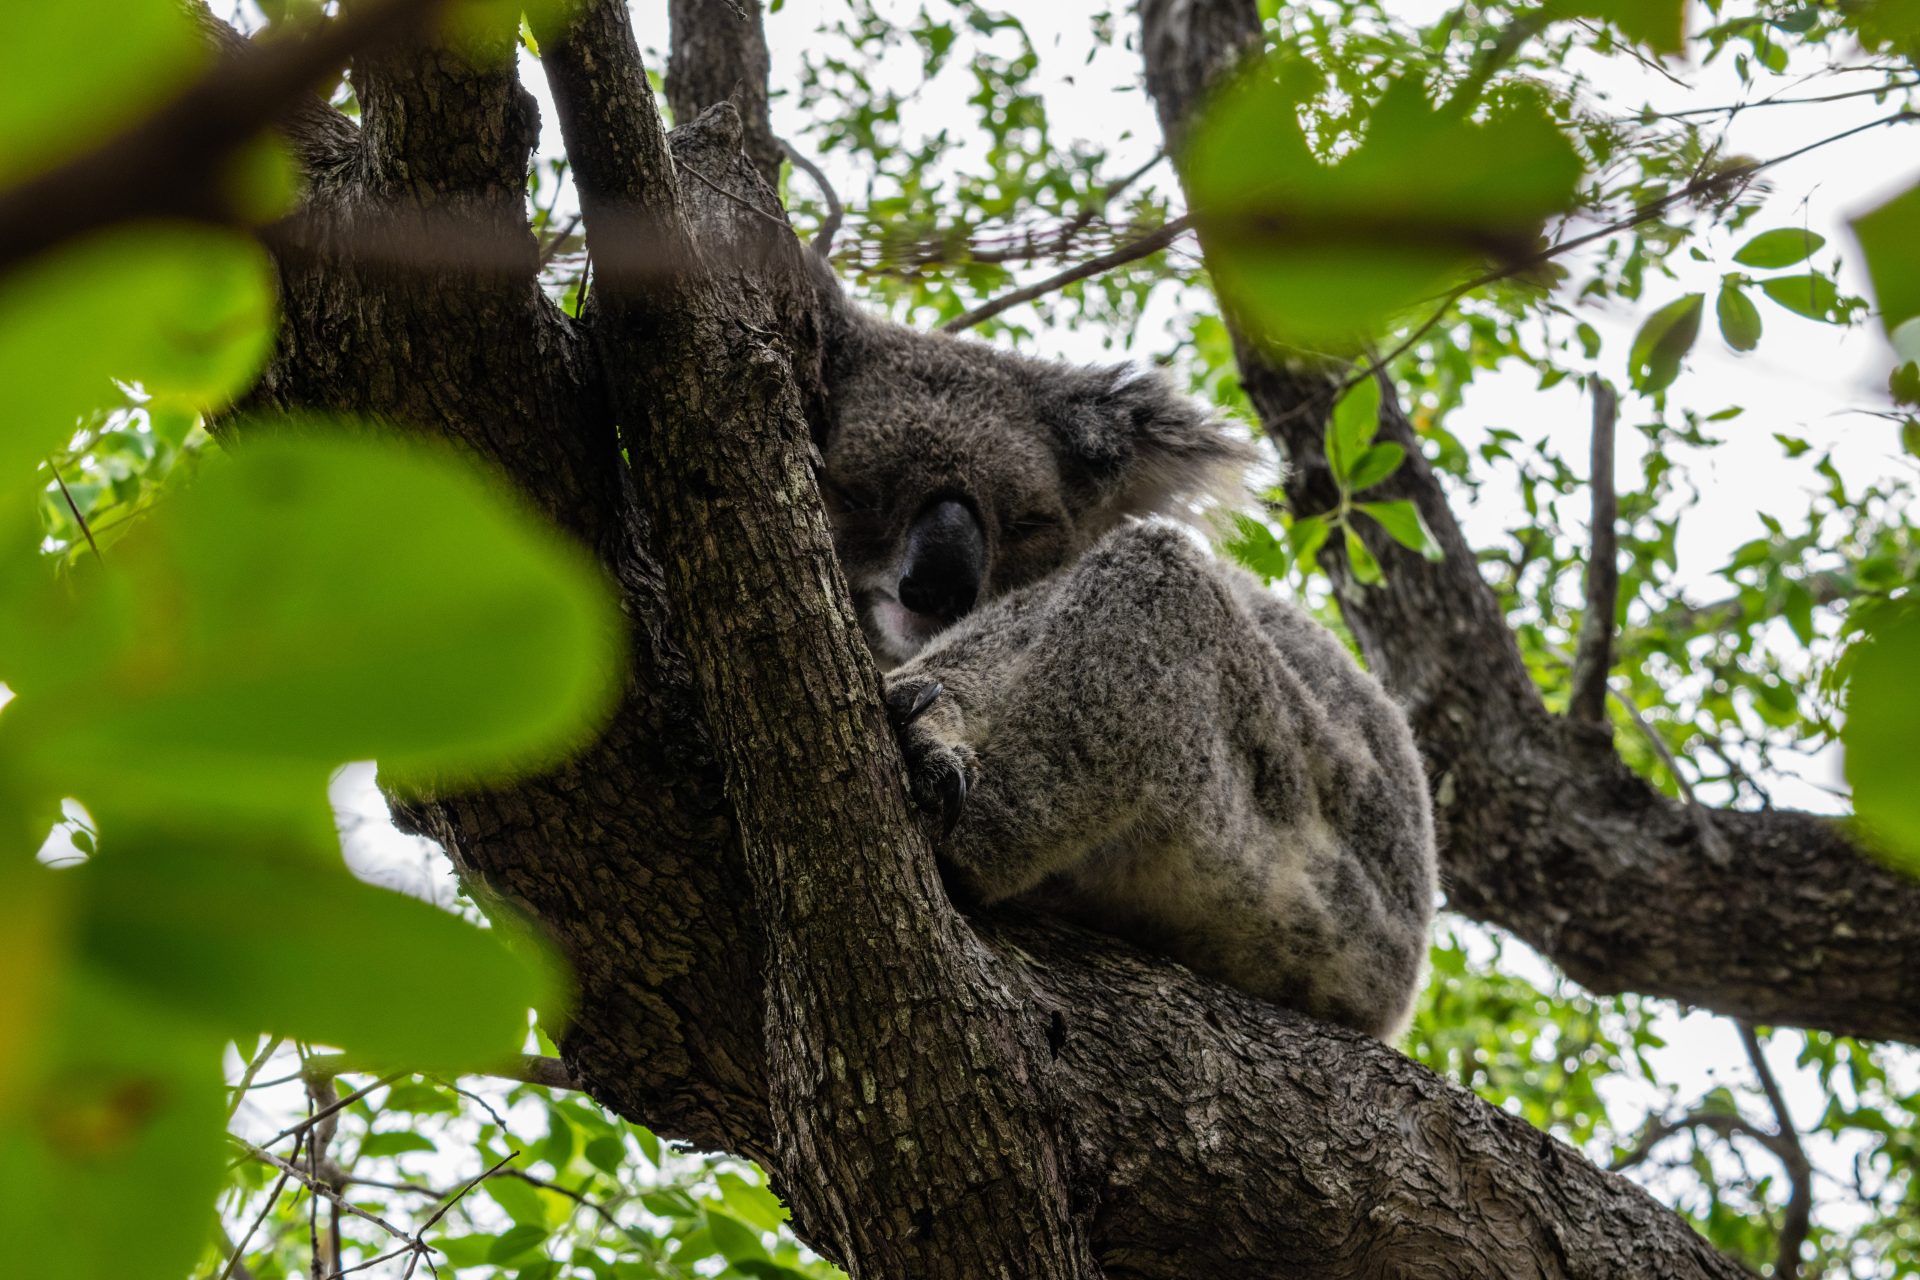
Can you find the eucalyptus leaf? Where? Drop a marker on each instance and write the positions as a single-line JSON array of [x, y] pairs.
[[1780, 247], [1663, 342], [1812, 295], [1739, 318]]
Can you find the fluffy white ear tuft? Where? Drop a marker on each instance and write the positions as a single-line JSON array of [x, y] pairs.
[[1132, 444]]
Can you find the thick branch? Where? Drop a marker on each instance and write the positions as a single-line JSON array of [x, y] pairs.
[[720, 55], [1773, 917], [873, 981]]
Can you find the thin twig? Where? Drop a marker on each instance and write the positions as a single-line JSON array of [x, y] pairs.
[[1151, 243], [252, 1070], [372, 1262], [836, 211], [553, 246], [1796, 1220], [1593, 653], [526, 1068], [330, 1109], [319, 1188], [469, 1185], [273, 1198], [1738, 107], [73, 506]]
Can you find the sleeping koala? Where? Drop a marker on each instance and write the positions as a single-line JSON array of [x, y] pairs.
[[1103, 720]]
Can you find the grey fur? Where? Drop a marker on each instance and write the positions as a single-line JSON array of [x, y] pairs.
[[1145, 738]]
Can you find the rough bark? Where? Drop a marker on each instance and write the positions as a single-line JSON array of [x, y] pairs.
[[720, 55], [1771, 916], [766, 962]]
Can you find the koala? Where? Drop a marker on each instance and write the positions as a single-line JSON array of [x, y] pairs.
[[1099, 718]]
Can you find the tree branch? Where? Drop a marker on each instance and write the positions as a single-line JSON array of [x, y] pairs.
[[1593, 654], [1797, 1220], [1546, 832], [714, 380], [719, 54]]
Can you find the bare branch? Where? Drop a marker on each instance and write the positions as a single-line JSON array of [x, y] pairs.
[[321, 1189], [1151, 243], [836, 212], [1593, 654], [1796, 1222]]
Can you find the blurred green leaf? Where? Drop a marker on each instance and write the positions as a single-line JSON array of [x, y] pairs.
[[316, 599], [73, 74], [1890, 238], [1325, 253], [254, 937], [516, 1242], [109, 1165], [1375, 465], [1882, 736], [1780, 247], [1660, 25], [1403, 521], [734, 1238], [395, 1143], [1810, 295], [1355, 419], [1366, 569], [1739, 318], [1663, 342], [606, 1153]]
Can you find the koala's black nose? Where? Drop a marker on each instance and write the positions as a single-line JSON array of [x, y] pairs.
[[946, 558]]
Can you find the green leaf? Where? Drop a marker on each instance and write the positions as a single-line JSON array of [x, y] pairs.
[[396, 1143], [1663, 342], [1366, 570], [1890, 239], [733, 1238], [71, 75], [1375, 465], [515, 1242], [1660, 25], [1307, 535], [752, 1204], [467, 1250], [557, 1147], [1811, 295], [1322, 254], [111, 1155], [1403, 521], [1780, 247], [185, 311], [1355, 420], [1882, 737], [418, 1098], [606, 1153], [670, 1202], [521, 1200], [312, 601], [1739, 318], [254, 937]]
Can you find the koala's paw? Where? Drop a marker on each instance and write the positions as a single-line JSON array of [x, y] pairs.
[[940, 768]]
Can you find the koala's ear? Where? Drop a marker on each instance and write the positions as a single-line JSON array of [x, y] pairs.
[[1131, 444]]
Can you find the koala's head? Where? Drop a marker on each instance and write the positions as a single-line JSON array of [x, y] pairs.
[[955, 472]]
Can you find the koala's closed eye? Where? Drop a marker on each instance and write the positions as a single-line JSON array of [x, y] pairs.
[[1033, 523], [849, 500]]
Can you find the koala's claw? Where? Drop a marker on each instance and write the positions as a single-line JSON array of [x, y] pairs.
[[936, 765], [953, 798], [921, 701]]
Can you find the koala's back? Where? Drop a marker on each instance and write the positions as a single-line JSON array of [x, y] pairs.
[[1221, 781]]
